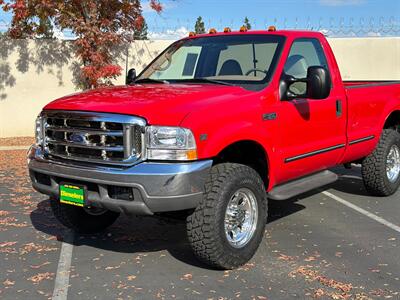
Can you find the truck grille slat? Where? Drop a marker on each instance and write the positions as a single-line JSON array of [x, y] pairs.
[[87, 146], [92, 132], [93, 137]]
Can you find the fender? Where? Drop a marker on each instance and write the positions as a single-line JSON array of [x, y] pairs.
[[390, 108], [386, 114], [229, 134]]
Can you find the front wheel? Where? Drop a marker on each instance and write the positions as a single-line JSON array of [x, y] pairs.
[[227, 227], [83, 219], [381, 169]]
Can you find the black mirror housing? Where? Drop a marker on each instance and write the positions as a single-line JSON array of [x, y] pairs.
[[284, 87], [318, 83], [130, 78]]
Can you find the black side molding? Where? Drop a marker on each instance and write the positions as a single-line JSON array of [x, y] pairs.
[[364, 139], [302, 185], [305, 155]]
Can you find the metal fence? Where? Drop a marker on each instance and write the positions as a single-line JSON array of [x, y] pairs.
[[333, 27], [166, 28]]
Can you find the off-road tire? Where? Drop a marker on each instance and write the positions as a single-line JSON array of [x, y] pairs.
[[205, 226], [374, 166], [77, 219]]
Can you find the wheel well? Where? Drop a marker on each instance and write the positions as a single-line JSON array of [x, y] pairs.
[[393, 121], [248, 153]]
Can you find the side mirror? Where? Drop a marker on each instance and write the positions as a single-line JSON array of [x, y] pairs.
[[130, 78], [318, 83]]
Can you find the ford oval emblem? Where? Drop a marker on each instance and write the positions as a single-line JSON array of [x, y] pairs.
[[78, 137]]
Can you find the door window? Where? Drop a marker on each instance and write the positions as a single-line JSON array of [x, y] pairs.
[[304, 54]]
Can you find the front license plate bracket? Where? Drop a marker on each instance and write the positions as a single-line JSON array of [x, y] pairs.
[[72, 194]]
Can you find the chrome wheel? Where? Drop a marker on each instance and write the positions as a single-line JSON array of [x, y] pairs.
[[241, 218], [393, 163]]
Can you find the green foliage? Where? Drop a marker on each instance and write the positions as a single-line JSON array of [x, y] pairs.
[[141, 33], [246, 23], [45, 28], [199, 26]]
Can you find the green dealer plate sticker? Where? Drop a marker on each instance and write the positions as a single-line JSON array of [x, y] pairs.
[[72, 194]]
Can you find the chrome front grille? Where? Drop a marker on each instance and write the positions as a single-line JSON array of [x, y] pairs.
[[93, 137]]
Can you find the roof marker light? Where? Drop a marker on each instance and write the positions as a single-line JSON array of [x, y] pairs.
[[243, 29], [212, 31], [271, 28], [191, 34], [227, 29]]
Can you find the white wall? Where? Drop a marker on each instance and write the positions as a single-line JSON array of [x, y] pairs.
[[367, 58]]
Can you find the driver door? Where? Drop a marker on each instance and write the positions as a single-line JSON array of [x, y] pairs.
[[312, 132]]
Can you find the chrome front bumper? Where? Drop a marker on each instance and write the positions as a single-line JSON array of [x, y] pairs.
[[155, 186]]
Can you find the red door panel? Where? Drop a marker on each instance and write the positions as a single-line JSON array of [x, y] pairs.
[[312, 133], [312, 136]]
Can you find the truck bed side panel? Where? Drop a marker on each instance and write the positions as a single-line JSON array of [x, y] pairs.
[[369, 105]]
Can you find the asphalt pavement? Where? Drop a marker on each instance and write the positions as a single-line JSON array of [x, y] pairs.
[[333, 243]]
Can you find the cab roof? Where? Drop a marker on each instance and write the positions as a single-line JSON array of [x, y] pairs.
[[286, 33]]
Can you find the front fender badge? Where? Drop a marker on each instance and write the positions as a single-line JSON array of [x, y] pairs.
[[203, 137]]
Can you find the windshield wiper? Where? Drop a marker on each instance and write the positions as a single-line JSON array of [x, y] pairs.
[[149, 80], [204, 80], [192, 80]]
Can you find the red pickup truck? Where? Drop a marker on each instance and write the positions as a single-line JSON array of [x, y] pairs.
[[213, 128]]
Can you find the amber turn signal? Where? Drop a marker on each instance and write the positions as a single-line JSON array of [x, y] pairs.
[[191, 154]]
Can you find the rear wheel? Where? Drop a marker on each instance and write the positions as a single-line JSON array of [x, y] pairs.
[[83, 219], [381, 169], [227, 227]]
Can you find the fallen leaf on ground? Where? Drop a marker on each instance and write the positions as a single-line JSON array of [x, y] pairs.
[[36, 247], [36, 279], [312, 275], [8, 282], [7, 244], [286, 257], [319, 293], [187, 276], [131, 277]]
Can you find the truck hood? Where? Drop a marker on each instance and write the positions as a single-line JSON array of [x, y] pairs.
[[163, 104]]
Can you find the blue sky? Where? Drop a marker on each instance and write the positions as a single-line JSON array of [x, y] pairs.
[[332, 16], [181, 14]]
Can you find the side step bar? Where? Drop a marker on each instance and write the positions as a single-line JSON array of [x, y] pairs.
[[302, 185]]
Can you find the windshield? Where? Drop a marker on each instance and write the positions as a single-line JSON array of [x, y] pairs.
[[244, 60]]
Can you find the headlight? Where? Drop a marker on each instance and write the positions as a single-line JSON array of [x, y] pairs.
[[39, 131], [170, 143]]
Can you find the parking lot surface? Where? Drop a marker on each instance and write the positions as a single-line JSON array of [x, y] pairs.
[[315, 247]]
